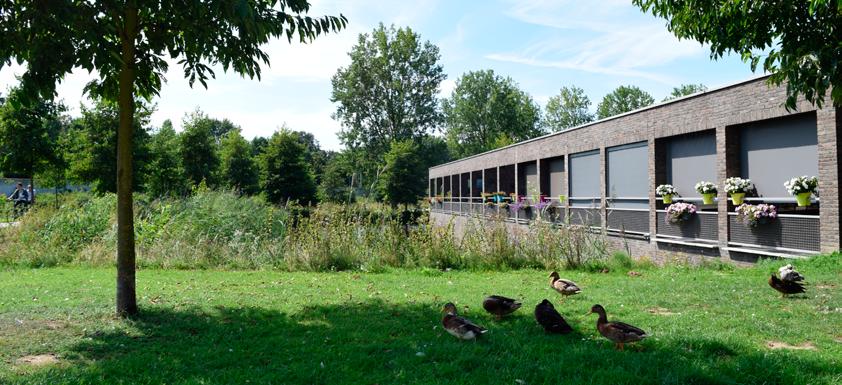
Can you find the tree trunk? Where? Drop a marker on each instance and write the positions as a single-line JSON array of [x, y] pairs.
[[126, 297]]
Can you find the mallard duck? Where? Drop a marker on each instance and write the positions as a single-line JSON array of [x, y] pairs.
[[459, 327], [785, 287], [788, 273], [563, 286], [500, 306], [550, 319], [618, 332]]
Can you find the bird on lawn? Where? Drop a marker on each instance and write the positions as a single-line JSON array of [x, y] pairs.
[[460, 327], [785, 287], [788, 273], [550, 319], [563, 286], [618, 332], [500, 306]]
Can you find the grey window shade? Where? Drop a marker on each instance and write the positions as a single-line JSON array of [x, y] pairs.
[[691, 159], [584, 178], [628, 174], [556, 177], [530, 172], [773, 151]]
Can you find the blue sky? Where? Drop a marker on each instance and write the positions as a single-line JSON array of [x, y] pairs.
[[543, 45]]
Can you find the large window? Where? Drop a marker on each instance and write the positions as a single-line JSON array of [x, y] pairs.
[[773, 151], [691, 159], [628, 175], [528, 179], [584, 179]]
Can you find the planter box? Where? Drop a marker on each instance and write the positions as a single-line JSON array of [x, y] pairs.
[[801, 233], [699, 226]]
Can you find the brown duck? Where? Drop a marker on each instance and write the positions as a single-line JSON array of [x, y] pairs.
[[459, 327], [500, 306], [563, 286], [618, 332], [785, 287], [550, 319]]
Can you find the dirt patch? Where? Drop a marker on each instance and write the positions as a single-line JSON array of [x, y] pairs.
[[55, 325], [838, 339], [38, 360], [824, 287], [774, 345], [634, 274], [661, 311]]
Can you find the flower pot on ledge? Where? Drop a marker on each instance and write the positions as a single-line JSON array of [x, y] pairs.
[[667, 199], [708, 198], [738, 198], [803, 199]]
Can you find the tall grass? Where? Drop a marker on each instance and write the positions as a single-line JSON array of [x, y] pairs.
[[217, 229]]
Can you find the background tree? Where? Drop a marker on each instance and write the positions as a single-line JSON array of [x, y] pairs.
[[198, 149], [388, 93], [92, 155], [126, 43], [29, 131], [166, 175], [403, 181], [486, 110], [258, 144], [684, 90], [622, 100], [238, 167], [338, 179], [220, 128], [285, 174], [799, 42], [570, 108], [313, 154]]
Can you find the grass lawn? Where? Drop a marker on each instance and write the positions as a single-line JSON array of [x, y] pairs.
[[708, 326]]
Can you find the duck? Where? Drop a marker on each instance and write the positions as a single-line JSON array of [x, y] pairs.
[[563, 286], [500, 306], [459, 327], [550, 319], [788, 273], [785, 287], [618, 332]]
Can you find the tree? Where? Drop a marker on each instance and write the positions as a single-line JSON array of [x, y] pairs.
[[29, 130], [684, 90], [799, 42], [258, 144], [238, 168], [388, 92], [220, 128], [126, 44], [285, 174], [166, 175], [570, 108], [338, 179], [486, 110], [622, 100], [92, 143], [313, 154], [198, 149], [404, 169]]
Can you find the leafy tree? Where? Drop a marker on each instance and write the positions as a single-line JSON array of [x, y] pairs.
[[198, 149], [570, 108], [388, 92], [258, 144], [684, 90], [314, 154], [404, 169], [433, 151], [238, 167], [166, 174], [486, 110], [285, 174], [338, 179], [799, 42], [92, 155], [126, 43], [29, 130], [220, 128], [622, 100]]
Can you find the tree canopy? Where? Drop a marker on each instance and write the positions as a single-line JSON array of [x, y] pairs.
[[285, 174], [684, 90], [198, 149], [403, 179], [238, 169], [166, 174], [798, 41], [28, 135], [487, 111], [622, 100], [570, 108]]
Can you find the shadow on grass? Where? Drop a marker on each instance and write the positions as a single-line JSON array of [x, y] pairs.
[[377, 342]]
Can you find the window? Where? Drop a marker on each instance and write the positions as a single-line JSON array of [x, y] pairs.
[[584, 179], [691, 159], [628, 175]]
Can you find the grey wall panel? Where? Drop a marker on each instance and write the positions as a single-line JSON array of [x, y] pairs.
[[691, 159], [556, 170], [628, 171], [530, 171], [584, 175], [773, 151]]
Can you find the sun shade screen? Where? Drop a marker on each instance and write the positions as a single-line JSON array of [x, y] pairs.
[[556, 177], [530, 172], [691, 159], [773, 151], [628, 175], [584, 178]]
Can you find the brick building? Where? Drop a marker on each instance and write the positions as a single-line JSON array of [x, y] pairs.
[[604, 174]]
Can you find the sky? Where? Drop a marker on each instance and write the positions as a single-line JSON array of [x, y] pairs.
[[542, 45]]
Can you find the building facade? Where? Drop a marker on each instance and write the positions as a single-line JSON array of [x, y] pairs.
[[604, 175]]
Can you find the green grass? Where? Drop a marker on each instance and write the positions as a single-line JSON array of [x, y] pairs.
[[224, 327]]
